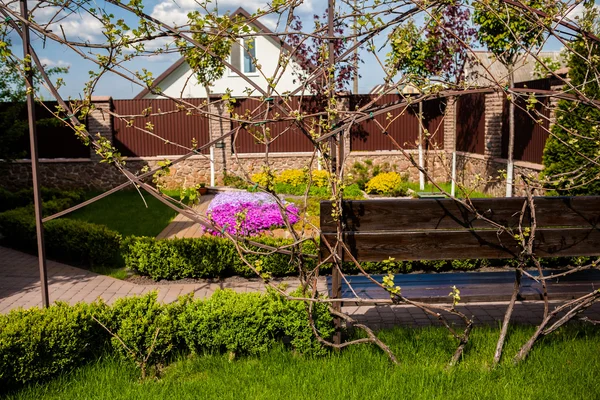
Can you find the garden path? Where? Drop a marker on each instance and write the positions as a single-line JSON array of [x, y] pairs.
[[20, 287], [182, 226], [20, 284]]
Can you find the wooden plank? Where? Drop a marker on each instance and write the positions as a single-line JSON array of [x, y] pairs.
[[428, 214], [443, 245]]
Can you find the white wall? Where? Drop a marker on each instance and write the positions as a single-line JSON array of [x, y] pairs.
[[181, 84]]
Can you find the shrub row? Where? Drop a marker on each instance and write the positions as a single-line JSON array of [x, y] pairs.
[[76, 242], [204, 257], [24, 197], [38, 343]]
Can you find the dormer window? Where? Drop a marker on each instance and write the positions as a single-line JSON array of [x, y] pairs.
[[242, 57]]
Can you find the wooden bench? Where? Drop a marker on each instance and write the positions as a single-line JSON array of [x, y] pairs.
[[443, 229]]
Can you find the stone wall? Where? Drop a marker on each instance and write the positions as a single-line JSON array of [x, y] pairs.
[[486, 174], [93, 175]]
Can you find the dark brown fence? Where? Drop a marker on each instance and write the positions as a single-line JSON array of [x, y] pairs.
[[55, 138], [401, 124], [172, 128], [287, 136], [530, 127], [470, 123]]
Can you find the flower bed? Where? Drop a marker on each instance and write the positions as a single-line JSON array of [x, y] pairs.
[[248, 214]]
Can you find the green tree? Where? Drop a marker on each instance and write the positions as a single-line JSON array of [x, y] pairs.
[[13, 114], [507, 31], [572, 152], [439, 50]]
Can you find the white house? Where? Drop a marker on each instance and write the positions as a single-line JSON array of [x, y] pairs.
[[177, 80]]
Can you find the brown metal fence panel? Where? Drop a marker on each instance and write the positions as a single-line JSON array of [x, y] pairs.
[[401, 124], [55, 138], [176, 128], [531, 126], [287, 136], [433, 114], [470, 123]]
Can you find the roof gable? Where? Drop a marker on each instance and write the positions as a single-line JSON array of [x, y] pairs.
[[240, 11]]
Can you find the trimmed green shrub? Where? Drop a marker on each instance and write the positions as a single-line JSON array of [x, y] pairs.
[[299, 190], [204, 257], [179, 258], [71, 241], [38, 343], [244, 326], [251, 324], [384, 183], [143, 330], [24, 197]]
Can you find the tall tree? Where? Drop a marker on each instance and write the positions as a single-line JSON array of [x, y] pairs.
[[508, 32], [13, 118], [310, 53], [439, 49], [572, 152]]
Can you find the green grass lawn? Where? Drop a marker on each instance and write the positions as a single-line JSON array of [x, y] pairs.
[[564, 366], [446, 186], [126, 213]]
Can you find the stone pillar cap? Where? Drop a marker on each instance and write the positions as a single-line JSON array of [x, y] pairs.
[[101, 99]]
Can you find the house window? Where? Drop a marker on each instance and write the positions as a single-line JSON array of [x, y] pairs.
[[249, 55], [242, 57]]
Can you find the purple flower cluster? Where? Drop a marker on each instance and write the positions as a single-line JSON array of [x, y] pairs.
[[244, 213]]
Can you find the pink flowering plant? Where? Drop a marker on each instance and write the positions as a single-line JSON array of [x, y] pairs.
[[248, 214]]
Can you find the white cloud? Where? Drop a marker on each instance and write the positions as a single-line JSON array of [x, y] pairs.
[[577, 12], [83, 27], [50, 63], [175, 12]]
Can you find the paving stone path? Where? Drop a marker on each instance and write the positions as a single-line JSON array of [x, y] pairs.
[[183, 227], [20, 287], [20, 284]]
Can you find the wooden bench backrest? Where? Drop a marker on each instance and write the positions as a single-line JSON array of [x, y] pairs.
[[440, 229]]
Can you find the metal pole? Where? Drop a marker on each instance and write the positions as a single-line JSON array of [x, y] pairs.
[[212, 166], [421, 159], [336, 277], [453, 186], [355, 88], [37, 201], [511, 136]]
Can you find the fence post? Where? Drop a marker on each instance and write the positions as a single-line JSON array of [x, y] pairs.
[[100, 122], [450, 138], [493, 125]]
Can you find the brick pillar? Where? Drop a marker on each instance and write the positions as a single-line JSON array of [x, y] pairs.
[[99, 121], [219, 124], [343, 106], [493, 124], [553, 105], [450, 124]]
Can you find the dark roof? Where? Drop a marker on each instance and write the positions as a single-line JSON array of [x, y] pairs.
[[240, 11]]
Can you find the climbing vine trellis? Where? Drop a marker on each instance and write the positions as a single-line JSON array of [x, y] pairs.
[[422, 51]]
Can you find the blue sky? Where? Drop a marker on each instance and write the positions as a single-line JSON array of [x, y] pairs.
[[84, 28]]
